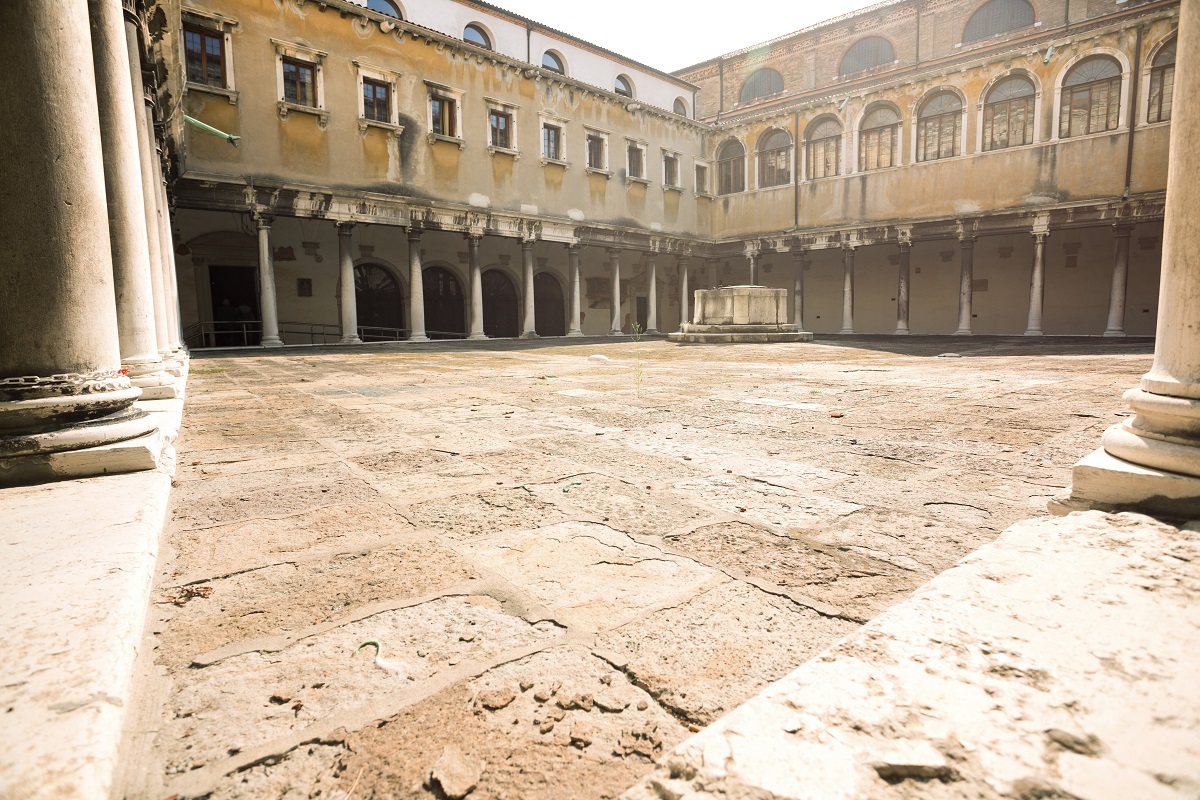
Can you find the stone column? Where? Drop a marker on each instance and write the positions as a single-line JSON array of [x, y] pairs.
[[266, 284], [651, 293], [614, 263], [800, 260], [416, 287], [476, 277], [713, 265], [349, 294], [966, 279], [166, 250], [902, 284], [1120, 279], [528, 319], [847, 289], [60, 361], [1037, 284], [573, 254], [149, 186], [126, 204], [753, 257], [1151, 461], [682, 262]]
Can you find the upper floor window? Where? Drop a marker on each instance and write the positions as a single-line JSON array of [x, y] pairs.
[[597, 151], [1162, 84], [385, 7], [824, 156], [623, 86], [731, 167], [1091, 97], [701, 178], [879, 139], [377, 100], [1008, 114], [552, 142], [775, 158], [445, 112], [670, 169], [997, 17], [553, 62], [299, 82], [635, 160], [873, 51], [205, 52], [763, 83], [939, 127], [500, 129], [680, 107], [477, 35]]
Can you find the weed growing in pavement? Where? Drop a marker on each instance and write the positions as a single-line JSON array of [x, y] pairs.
[[637, 359]]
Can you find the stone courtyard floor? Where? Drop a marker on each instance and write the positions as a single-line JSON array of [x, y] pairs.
[[570, 563]]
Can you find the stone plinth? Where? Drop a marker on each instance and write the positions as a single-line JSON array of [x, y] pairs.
[[741, 314]]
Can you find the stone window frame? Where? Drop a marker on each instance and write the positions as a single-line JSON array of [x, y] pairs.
[[493, 105], [217, 24], [981, 106], [642, 146], [835, 144], [308, 55], [677, 184], [548, 120], [1149, 72], [1123, 102], [701, 188], [917, 122], [602, 135], [378, 75], [450, 95], [761, 166]]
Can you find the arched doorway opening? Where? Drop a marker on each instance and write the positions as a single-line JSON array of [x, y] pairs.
[[380, 303], [500, 317], [550, 318], [445, 314]]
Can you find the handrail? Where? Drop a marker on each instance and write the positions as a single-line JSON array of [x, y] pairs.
[[209, 334]]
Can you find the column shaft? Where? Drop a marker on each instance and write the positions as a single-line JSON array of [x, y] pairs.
[[614, 263], [166, 256], [902, 284], [847, 289], [1037, 285], [529, 318], [416, 288], [476, 277], [801, 264], [349, 299], [651, 294], [683, 290], [1120, 281], [266, 285], [753, 269], [966, 280], [573, 254]]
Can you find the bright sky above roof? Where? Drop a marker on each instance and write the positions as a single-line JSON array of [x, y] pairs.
[[669, 35]]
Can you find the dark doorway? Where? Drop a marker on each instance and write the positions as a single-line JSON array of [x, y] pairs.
[[643, 313], [235, 307], [445, 315], [549, 316], [380, 303], [499, 305]]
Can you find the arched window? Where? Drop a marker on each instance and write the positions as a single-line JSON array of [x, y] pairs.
[[824, 143], [763, 83], [774, 158], [1162, 82], [939, 127], [681, 107], [1091, 97], [385, 7], [879, 139], [477, 35], [623, 86], [1008, 114], [553, 62], [731, 168], [865, 54], [997, 17]]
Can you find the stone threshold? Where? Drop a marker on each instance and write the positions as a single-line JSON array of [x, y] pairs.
[[1058, 661], [75, 582]]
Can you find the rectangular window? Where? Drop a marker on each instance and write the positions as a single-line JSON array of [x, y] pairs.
[[205, 51], [552, 142], [879, 148], [500, 127], [701, 179], [597, 147], [1091, 108], [444, 115], [1008, 123], [636, 160], [824, 157], [1162, 85], [299, 82], [670, 169], [377, 101]]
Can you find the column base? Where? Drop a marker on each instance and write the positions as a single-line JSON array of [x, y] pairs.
[[1032, 332], [1114, 333], [1103, 482], [103, 446], [271, 342], [417, 337], [477, 336], [963, 332], [350, 340], [617, 333], [901, 332], [528, 335], [847, 330], [574, 334]]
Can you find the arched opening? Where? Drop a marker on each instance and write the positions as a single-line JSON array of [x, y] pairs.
[[445, 309], [500, 313], [1008, 114], [879, 139], [681, 107], [380, 303], [554, 62], [824, 143], [997, 17], [868, 53], [623, 86], [1162, 84], [775, 158], [731, 167], [763, 83], [475, 34], [939, 127], [1091, 97], [385, 7], [550, 316]]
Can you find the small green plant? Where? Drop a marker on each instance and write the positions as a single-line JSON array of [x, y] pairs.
[[637, 359], [216, 371]]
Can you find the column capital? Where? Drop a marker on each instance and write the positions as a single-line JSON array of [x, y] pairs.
[[799, 253], [345, 228], [262, 220], [614, 252], [1040, 236], [527, 244], [849, 247], [574, 247], [473, 238], [1123, 229], [967, 242], [414, 232]]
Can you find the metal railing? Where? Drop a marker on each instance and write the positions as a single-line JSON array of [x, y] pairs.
[[243, 333], [213, 334], [327, 333]]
